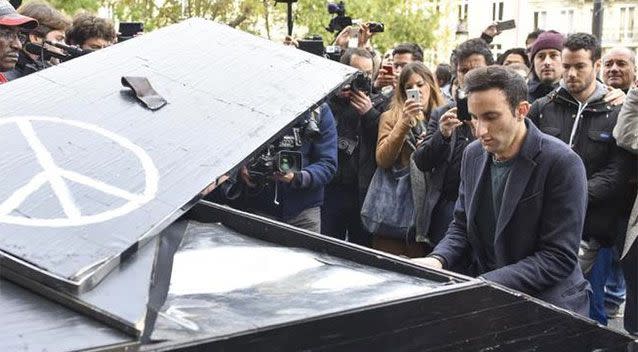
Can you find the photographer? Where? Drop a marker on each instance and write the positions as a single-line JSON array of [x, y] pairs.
[[402, 55], [356, 111], [291, 197], [448, 133], [12, 35], [400, 130], [51, 27], [90, 32]]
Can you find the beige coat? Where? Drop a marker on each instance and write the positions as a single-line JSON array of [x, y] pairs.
[[626, 134], [391, 143]]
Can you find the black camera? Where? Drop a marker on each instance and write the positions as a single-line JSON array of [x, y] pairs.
[[128, 30], [334, 52], [340, 21], [313, 45], [376, 27], [361, 83], [462, 112]]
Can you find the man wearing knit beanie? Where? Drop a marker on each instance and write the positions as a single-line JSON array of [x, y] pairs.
[[547, 67]]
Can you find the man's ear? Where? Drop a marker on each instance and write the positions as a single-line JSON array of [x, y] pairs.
[[522, 109]]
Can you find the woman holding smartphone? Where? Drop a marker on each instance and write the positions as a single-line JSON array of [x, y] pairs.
[[400, 130]]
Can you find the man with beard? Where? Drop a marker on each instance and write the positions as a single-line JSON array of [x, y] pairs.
[[577, 114], [13, 27], [547, 68], [356, 113]]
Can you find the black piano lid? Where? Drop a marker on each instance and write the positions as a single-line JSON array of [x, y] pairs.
[[88, 173], [31, 323]]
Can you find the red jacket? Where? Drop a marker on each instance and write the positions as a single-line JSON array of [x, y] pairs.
[[3, 79]]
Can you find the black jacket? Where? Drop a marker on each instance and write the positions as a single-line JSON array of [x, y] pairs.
[[607, 166], [442, 156], [537, 90], [538, 228], [440, 159], [357, 141]]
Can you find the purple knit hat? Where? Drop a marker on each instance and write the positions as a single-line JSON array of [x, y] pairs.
[[547, 40]]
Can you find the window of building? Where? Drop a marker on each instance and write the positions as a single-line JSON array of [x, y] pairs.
[[627, 23], [462, 9], [567, 23], [540, 19], [497, 10]]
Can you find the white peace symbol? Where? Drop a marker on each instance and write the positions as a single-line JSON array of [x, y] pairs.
[[56, 176]]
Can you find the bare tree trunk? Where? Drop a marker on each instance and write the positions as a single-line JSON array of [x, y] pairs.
[[267, 18], [238, 20]]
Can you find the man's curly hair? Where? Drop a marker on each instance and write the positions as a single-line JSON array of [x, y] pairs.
[[86, 26], [586, 42], [471, 47]]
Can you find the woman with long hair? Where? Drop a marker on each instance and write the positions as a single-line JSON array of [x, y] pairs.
[[400, 130]]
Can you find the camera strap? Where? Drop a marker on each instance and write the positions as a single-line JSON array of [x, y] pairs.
[[316, 113]]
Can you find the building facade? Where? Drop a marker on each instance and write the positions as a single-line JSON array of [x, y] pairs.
[[463, 19]]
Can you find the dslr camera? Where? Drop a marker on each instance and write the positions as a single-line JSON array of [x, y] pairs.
[[361, 83], [376, 27]]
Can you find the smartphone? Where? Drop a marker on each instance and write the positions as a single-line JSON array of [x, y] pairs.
[[505, 25], [388, 69], [414, 94], [462, 112]]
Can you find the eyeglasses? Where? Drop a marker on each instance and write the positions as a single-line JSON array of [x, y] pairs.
[[10, 34]]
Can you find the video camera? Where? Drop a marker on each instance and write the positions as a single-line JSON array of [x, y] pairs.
[[340, 21], [70, 52], [284, 155]]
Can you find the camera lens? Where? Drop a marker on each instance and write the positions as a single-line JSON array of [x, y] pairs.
[[285, 164]]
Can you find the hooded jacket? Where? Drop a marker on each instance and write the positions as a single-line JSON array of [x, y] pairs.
[[587, 128]]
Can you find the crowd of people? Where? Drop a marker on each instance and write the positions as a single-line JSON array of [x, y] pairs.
[[519, 169], [38, 36]]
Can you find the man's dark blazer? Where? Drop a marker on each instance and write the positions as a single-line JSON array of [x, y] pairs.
[[539, 226]]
